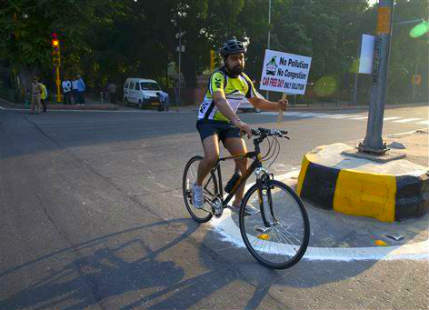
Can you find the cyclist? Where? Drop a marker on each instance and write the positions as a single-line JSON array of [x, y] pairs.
[[228, 87]]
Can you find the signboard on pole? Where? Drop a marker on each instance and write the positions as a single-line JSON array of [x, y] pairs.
[[284, 72], [366, 54]]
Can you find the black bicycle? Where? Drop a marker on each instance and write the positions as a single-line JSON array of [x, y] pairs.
[[277, 235]]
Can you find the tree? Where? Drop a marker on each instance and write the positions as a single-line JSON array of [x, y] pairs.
[[26, 27]]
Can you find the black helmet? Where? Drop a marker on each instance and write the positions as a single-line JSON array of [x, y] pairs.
[[233, 46]]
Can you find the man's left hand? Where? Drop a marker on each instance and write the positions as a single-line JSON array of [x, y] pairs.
[[282, 104]]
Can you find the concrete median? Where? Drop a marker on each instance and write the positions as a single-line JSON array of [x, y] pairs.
[[388, 191]]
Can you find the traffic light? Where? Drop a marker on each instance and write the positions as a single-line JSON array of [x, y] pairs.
[[55, 43], [56, 54], [56, 60]]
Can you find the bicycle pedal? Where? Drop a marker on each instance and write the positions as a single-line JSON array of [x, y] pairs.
[[262, 229], [218, 214]]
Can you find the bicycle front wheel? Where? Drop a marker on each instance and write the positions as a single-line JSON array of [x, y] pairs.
[[278, 235], [209, 190]]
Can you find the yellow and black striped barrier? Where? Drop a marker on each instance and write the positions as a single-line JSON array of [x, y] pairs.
[[351, 186]]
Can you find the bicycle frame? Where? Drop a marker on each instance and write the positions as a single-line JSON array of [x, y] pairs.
[[257, 163]]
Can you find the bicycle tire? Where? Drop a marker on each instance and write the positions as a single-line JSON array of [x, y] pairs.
[[290, 260], [199, 215]]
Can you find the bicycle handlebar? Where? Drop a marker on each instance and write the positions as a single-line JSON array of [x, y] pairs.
[[265, 132]]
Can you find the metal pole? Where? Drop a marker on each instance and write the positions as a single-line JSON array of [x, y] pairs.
[[356, 81], [355, 89], [180, 65], [267, 93], [269, 24], [58, 83], [373, 142]]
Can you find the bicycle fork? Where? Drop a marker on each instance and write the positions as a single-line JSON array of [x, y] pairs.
[[265, 200]]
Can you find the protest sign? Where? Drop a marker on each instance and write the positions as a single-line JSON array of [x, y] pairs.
[[284, 72]]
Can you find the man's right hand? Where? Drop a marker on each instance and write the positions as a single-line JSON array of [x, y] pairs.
[[244, 127]]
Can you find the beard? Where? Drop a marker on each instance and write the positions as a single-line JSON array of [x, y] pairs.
[[236, 70]]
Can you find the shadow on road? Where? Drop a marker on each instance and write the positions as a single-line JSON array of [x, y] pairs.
[[104, 272]]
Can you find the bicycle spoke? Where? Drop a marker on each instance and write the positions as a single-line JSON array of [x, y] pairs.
[[296, 239], [285, 238], [284, 242], [190, 177]]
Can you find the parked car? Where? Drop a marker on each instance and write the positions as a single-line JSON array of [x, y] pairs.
[[142, 92]]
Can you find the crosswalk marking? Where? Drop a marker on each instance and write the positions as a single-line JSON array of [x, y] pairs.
[[407, 120], [337, 116], [357, 117]]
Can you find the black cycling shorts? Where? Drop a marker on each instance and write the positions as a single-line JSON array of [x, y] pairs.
[[208, 127]]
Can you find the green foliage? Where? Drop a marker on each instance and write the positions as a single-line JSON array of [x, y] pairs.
[[109, 40]]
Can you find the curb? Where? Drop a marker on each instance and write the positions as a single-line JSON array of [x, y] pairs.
[[387, 197]]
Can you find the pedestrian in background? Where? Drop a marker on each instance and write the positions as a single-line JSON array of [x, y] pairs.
[[74, 90], [36, 91], [43, 96], [164, 100], [79, 88], [111, 90], [67, 90]]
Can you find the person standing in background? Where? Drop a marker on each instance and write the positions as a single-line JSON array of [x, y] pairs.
[[67, 90], [36, 92], [43, 96], [79, 88], [111, 89], [74, 91]]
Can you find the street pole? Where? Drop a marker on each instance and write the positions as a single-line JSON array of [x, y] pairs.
[[267, 93], [180, 64], [373, 142], [269, 24], [56, 59], [356, 81], [58, 83]]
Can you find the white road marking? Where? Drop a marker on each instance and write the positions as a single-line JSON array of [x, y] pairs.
[[391, 118], [423, 122], [230, 232], [395, 119], [337, 116], [359, 118], [407, 120]]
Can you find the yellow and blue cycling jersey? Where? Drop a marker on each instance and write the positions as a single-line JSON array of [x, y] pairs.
[[236, 91]]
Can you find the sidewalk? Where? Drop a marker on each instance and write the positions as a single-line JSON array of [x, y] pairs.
[[89, 105]]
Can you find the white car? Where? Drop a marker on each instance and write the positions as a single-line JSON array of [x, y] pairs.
[[141, 92]]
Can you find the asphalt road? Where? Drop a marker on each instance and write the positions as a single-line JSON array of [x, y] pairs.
[[92, 217]]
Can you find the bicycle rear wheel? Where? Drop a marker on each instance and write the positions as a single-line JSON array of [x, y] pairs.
[[209, 190], [278, 235]]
